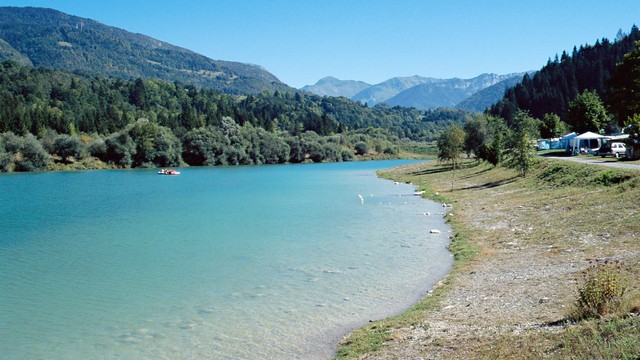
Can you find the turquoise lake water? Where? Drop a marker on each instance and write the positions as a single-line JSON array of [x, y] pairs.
[[217, 263]]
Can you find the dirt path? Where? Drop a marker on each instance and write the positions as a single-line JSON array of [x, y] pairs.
[[597, 161]]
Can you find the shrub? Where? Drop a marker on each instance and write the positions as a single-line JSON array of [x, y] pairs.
[[120, 149], [361, 148], [97, 148], [68, 146], [24, 153], [601, 292]]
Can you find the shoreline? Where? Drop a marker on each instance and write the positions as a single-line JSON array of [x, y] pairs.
[[516, 279]]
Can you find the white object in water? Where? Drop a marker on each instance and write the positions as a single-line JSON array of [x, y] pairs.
[[361, 199], [435, 231]]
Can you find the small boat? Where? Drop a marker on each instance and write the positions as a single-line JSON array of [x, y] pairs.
[[419, 192], [168, 172]]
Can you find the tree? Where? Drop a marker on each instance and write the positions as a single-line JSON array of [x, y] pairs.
[[67, 146], [522, 142], [523, 123], [523, 154], [633, 129], [494, 142], [155, 145], [587, 113], [624, 96], [474, 135], [450, 146], [552, 126], [119, 149], [138, 95], [202, 146]]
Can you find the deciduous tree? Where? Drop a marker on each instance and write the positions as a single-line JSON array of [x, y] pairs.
[[587, 113], [450, 146]]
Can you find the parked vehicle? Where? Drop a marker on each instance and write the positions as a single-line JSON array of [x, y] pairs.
[[616, 149]]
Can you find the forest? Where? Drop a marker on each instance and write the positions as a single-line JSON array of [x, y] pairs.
[[53, 119], [606, 102], [560, 81]]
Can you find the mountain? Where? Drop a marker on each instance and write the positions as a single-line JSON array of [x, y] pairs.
[[446, 93], [387, 89], [423, 93], [330, 86], [486, 97], [49, 38]]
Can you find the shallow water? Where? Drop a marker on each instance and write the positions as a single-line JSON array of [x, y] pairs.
[[219, 263]]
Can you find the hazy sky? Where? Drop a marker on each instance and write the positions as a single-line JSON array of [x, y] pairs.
[[301, 41]]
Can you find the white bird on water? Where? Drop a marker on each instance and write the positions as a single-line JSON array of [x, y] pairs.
[[361, 199]]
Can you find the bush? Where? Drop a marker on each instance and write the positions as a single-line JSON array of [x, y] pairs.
[[97, 148], [361, 148], [199, 146], [347, 155], [5, 157], [68, 146], [601, 292], [24, 153], [120, 149]]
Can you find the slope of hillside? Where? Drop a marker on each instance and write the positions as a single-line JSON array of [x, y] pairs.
[[429, 96], [330, 86], [387, 89], [447, 92], [486, 97], [49, 38]]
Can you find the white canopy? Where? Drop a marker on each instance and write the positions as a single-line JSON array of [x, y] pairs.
[[583, 142], [589, 135]]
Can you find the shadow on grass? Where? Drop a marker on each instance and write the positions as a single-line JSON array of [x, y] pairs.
[[476, 173], [560, 153], [492, 184], [440, 168]]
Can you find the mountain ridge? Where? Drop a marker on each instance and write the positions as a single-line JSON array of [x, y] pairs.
[[50, 38], [423, 92], [331, 86]]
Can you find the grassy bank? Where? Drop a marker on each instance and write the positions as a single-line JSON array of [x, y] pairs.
[[521, 246]]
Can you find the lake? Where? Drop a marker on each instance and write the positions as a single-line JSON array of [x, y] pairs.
[[216, 263]]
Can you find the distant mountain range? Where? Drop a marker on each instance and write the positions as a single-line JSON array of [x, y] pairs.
[[49, 38], [424, 93], [330, 86], [52, 39]]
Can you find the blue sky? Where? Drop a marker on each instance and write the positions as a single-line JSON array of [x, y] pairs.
[[301, 41]]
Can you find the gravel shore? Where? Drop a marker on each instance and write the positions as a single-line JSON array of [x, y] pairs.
[[533, 245]]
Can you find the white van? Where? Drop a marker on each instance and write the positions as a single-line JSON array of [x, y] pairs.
[[616, 149]]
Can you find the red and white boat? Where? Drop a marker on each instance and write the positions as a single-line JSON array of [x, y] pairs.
[[168, 172]]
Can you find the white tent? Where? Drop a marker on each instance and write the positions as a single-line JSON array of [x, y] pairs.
[[585, 142]]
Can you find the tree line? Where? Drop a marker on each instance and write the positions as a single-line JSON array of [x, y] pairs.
[[511, 141], [52, 117], [552, 89]]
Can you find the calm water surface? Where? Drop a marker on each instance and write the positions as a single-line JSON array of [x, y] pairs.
[[217, 263]]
